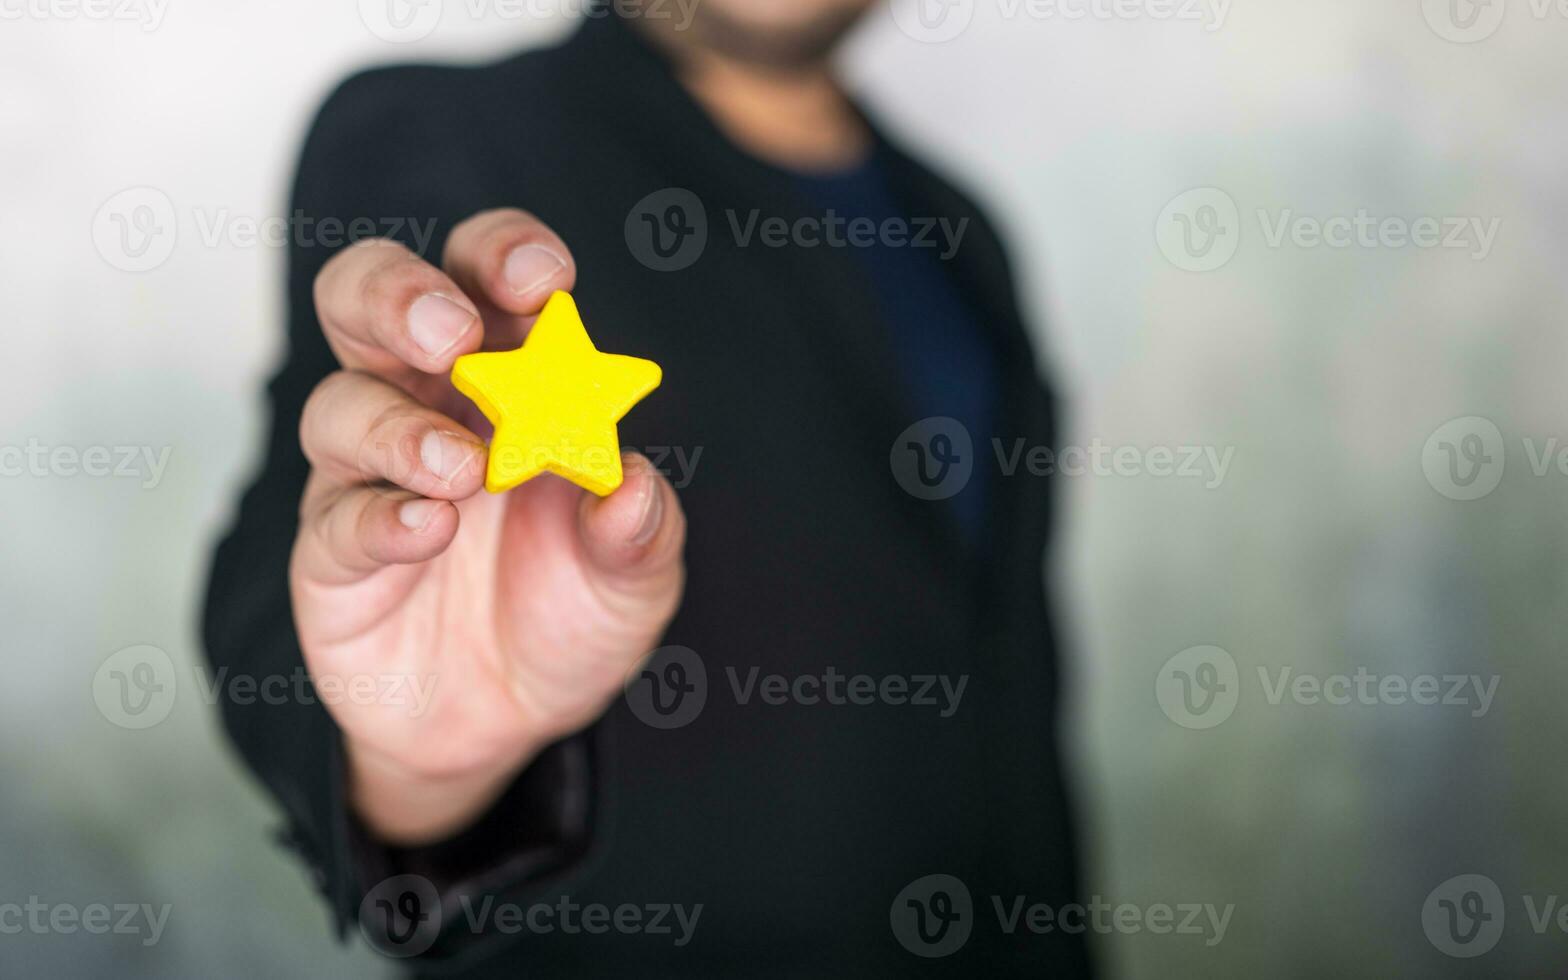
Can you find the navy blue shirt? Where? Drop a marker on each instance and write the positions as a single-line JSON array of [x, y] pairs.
[[944, 352]]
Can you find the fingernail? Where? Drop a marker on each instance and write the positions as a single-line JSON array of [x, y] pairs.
[[652, 516], [530, 266], [436, 323], [446, 454], [417, 514]]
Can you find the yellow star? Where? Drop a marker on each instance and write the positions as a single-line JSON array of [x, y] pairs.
[[554, 402]]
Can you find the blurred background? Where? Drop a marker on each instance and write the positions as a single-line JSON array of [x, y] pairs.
[[1322, 241]]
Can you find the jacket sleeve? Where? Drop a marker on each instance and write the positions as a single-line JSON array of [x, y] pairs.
[[366, 162]]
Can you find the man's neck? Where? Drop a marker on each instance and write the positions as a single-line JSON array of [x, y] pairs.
[[798, 119]]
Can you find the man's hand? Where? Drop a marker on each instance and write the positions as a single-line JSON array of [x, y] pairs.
[[526, 609]]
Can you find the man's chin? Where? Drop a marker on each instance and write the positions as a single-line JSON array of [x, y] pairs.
[[784, 48]]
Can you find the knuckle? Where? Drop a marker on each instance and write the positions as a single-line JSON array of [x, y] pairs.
[[315, 498], [365, 530], [317, 410], [394, 283], [502, 218], [475, 227], [487, 237], [391, 448], [316, 523], [349, 263], [518, 228]]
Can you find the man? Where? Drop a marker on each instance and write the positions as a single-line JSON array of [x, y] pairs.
[[841, 761]]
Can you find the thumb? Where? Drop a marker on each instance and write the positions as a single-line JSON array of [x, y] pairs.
[[635, 538]]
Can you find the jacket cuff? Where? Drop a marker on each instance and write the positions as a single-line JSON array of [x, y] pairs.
[[539, 828]]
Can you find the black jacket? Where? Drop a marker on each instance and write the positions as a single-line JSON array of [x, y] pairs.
[[793, 826]]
